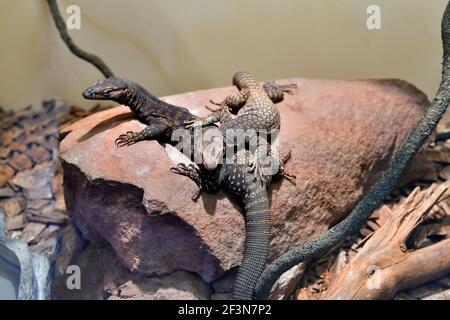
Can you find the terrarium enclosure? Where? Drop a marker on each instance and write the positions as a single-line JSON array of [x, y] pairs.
[[338, 189]]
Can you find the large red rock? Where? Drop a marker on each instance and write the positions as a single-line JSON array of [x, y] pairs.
[[342, 135]]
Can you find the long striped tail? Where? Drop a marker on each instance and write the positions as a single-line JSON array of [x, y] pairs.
[[257, 242]]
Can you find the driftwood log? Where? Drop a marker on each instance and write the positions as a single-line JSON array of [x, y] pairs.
[[384, 264]]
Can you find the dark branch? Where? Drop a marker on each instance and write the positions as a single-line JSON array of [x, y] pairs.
[[382, 187], [61, 26]]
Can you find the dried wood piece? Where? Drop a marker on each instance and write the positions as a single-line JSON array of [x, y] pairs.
[[40, 176], [20, 162], [439, 229], [57, 182], [377, 219], [51, 131], [429, 165], [440, 211], [34, 139], [13, 206], [39, 154], [337, 267], [384, 265], [11, 135], [365, 232], [6, 124], [16, 189], [287, 283], [4, 152], [43, 192], [60, 203], [6, 173], [18, 147], [56, 115], [6, 192], [318, 278], [423, 168], [15, 223], [422, 236], [37, 204], [26, 112], [47, 215], [51, 144], [439, 154], [31, 232]]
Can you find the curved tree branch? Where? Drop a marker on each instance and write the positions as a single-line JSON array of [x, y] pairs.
[[380, 189], [61, 26]]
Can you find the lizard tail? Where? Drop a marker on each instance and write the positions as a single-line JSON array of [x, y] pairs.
[[244, 79], [257, 242]]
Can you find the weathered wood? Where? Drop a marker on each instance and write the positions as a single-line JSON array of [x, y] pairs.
[[384, 265]]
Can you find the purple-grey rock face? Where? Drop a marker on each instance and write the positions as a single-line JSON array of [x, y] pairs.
[[342, 135]]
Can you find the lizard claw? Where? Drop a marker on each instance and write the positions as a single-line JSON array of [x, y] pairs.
[[126, 139], [290, 177], [187, 170], [286, 157], [256, 169], [220, 104], [191, 172], [188, 124], [215, 109]]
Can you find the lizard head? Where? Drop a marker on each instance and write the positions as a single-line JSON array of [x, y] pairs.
[[212, 153], [115, 89]]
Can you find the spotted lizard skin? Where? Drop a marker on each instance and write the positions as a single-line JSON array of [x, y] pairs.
[[255, 110], [161, 119], [254, 104], [252, 193], [258, 110]]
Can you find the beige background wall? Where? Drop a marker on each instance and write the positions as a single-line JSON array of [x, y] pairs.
[[172, 46]]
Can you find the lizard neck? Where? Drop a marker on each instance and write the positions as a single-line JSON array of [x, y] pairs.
[[136, 97], [146, 107], [143, 104]]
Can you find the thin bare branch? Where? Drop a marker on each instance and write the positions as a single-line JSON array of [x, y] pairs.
[[61, 26]]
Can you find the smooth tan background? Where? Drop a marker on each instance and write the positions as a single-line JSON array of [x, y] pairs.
[[172, 46]]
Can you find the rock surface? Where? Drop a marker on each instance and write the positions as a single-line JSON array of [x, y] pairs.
[[342, 135], [103, 277]]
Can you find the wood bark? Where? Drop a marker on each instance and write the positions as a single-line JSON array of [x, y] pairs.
[[384, 265]]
